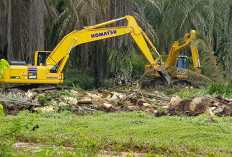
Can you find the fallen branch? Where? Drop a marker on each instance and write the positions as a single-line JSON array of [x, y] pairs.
[[17, 99]]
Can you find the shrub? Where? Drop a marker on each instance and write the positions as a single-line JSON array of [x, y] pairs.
[[2, 111], [3, 64]]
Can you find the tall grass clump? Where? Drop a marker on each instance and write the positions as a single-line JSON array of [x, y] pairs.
[[79, 80], [220, 88]]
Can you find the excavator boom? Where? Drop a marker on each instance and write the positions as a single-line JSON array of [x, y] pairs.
[[94, 33]]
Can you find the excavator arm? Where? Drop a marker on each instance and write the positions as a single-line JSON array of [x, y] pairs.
[[181, 44], [61, 52]]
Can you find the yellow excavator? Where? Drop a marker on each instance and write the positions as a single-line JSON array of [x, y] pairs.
[[177, 66], [48, 65]]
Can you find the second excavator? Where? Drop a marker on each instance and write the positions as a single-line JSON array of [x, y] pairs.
[[177, 66]]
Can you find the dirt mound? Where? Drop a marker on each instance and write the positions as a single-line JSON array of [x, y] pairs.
[[193, 107]]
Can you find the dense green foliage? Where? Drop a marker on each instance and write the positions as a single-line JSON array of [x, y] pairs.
[[220, 88]]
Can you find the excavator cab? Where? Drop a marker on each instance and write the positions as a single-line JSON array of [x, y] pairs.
[[182, 62], [41, 57]]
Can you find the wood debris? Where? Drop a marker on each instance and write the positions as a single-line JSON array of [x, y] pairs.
[[85, 100], [45, 109], [155, 103]]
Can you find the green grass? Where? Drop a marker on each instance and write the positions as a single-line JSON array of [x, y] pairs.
[[186, 93], [137, 131]]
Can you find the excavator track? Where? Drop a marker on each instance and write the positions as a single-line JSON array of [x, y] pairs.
[[40, 88], [155, 82], [192, 79], [180, 83]]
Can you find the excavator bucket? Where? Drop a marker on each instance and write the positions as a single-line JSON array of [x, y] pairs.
[[163, 73], [161, 70], [165, 76]]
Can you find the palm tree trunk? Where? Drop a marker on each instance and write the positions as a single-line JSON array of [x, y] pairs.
[[9, 44], [3, 26], [36, 27]]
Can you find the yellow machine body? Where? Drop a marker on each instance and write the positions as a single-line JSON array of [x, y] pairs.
[[22, 74], [48, 66]]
